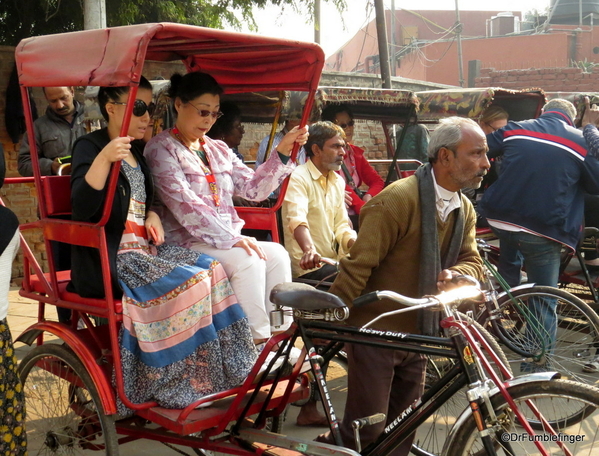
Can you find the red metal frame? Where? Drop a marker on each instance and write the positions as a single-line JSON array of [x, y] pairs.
[[115, 57]]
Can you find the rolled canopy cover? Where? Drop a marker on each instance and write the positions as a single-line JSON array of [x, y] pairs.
[[115, 57]]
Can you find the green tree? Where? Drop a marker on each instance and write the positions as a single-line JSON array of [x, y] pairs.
[[23, 18]]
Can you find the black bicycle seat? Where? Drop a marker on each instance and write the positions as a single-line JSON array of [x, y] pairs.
[[590, 231], [304, 297]]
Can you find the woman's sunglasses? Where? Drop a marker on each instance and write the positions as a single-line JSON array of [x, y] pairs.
[[139, 107], [348, 124], [206, 113]]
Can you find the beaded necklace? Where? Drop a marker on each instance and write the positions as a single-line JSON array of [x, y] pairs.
[[204, 163]]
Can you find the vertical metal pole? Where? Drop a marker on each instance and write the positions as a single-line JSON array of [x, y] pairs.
[[393, 43], [317, 21], [94, 14], [381, 33], [458, 34]]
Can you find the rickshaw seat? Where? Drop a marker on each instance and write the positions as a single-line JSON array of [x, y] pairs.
[[63, 278], [408, 173], [57, 194], [260, 218], [210, 417]]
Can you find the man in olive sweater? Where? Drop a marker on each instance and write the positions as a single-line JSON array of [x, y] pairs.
[[415, 236]]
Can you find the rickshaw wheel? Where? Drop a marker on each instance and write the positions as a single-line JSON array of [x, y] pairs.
[[64, 414]]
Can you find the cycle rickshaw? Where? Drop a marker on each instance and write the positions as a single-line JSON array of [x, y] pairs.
[[78, 372]]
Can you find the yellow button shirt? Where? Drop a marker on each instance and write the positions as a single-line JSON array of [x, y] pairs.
[[317, 202]]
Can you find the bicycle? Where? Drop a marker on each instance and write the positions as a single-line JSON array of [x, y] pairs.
[[487, 393], [509, 316]]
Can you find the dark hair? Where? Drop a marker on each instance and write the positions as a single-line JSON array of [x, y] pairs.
[[106, 94], [330, 112], [224, 124], [321, 132], [193, 85]]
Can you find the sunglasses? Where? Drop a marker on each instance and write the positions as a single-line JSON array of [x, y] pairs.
[[348, 124], [490, 126], [206, 113], [139, 107]]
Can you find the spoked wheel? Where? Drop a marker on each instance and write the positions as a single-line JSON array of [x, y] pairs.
[[431, 436], [558, 401], [577, 331], [63, 410]]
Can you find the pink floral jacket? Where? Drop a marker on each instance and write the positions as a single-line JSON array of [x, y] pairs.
[[189, 213]]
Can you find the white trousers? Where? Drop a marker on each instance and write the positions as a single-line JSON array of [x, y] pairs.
[[6, 259], [252, 280]]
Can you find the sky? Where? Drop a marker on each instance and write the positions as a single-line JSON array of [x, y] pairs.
[[335, 32]]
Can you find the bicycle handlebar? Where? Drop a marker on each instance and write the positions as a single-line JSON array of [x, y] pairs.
[[378, 295], [450, 297]]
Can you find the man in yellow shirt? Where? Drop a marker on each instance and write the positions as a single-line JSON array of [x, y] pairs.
[[314, 212], [316, 220]]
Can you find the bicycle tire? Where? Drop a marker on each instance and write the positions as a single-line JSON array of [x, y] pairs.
[[552, 397], [577, 334], [427, 441], [61, 417]]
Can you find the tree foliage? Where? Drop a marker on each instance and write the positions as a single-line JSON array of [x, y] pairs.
[[23, 18]]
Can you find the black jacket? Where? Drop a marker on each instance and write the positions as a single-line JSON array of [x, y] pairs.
[[87, 204], [9, 223]]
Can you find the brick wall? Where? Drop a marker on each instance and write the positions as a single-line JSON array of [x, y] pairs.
[[548, 79]]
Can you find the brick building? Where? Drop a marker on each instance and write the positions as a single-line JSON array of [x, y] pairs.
[[491, 39]]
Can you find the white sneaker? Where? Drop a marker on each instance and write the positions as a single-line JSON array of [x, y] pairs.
[[278, 363], [294, 355], [205, 404]]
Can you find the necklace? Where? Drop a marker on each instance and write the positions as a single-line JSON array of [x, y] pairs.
[[204, 163]]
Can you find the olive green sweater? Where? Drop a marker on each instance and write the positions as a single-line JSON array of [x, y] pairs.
[[386, 255]]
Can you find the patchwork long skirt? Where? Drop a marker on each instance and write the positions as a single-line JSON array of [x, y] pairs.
[[184, 335]]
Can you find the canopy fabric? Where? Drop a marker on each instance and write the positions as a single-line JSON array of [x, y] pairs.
[[385, 105], [471, 103], [355, 95], [115, 56]]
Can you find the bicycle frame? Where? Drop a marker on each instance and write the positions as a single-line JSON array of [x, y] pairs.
[[463, 342], [491, 304]]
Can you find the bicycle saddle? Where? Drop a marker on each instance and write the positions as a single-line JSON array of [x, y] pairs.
[[304, 297], [590, 231]]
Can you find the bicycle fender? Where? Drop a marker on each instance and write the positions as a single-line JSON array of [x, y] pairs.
[[82, 351], [465, 415], [519, 287]]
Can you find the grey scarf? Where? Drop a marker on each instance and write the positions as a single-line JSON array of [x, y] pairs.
[[431, 263]]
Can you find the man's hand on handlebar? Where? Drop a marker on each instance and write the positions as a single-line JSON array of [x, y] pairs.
[[448, 280], [310, 259]]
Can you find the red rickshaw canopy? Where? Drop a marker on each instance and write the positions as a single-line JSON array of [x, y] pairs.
[[115, 57]]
